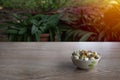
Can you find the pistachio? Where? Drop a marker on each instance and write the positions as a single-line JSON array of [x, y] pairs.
[[86, 59], [76, 57], [97, 57], [75, 53], [85, 55], [92, 58]]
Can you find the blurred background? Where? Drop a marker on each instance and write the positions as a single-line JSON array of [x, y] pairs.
[[59, 20]]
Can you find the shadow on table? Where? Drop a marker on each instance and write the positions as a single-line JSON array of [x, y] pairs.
[[70, 67]]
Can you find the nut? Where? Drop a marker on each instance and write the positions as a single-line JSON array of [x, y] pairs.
[[85, 55]]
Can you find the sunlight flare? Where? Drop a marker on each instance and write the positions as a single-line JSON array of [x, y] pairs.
[[114, 2]]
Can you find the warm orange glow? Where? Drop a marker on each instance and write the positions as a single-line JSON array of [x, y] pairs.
[[113, 2], [112, 13]]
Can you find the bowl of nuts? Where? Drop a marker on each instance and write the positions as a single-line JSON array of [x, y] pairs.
[[84, 59]]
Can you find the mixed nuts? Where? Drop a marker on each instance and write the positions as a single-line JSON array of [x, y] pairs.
[[85, 55]]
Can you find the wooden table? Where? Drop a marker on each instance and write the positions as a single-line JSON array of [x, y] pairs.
[[52, 61]]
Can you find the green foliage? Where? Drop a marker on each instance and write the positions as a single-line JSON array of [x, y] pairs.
[[77, 35], [47, 5], [83, 2], [86, 2], [44, 5], [30, 28], [86, 23], [19, 3]]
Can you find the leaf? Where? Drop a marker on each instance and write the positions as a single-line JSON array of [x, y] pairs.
[[17, 17], [23, 31], [10, 37], [40, 22], [69, 34], [72, 34], [34, 29], [34, 22], [86, 36], [44, 28], [58, 35], [28, 15], [37, 37], [100, 36], [53, 20], [51, 35], [79, 33], [44, 18], [12, 31]]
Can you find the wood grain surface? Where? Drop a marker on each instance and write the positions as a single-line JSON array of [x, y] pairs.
[[52, 61]]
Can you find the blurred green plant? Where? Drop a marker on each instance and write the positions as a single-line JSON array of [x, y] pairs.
[[44, 5], [31, 27], [78, 35], [87, 24], [84, 2], [18, 4], [48, 5]]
